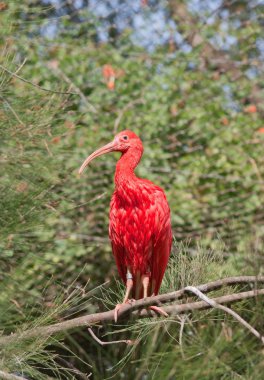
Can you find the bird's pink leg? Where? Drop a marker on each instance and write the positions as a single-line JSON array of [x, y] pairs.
[[145, 283], [129, 286]]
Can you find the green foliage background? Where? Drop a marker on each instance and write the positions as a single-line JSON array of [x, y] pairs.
[[199, 112]]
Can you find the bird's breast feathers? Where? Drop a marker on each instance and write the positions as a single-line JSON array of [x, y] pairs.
[[138, 214]]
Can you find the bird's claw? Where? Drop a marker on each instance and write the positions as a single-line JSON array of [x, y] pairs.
[[159, 310], [120, 305], [117, 308]]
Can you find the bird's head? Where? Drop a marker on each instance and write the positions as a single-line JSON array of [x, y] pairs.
[[123, 141]]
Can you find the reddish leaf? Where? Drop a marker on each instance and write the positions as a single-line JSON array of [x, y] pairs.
[[108, 72], [3, 6], [144, 3], [21, 187], [250, 109], [56, 140], [261, 130], [69, 124], [225, 121], [173, 110], [111, 83], [53, 64]]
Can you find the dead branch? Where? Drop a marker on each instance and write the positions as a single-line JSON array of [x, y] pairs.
[[215, 305], [75, 371], [138, 309], [129, 342]]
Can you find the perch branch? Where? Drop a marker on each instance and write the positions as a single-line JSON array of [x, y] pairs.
[[135, 310], [205, 288]]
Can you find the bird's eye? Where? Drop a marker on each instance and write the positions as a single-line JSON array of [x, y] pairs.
[[125, 137]]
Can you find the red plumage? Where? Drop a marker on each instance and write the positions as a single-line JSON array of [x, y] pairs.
[[140, 227]]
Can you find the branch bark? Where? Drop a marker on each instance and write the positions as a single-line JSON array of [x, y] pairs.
[[138, 309]]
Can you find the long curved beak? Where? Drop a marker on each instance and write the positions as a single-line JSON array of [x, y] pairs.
[[111, 147]]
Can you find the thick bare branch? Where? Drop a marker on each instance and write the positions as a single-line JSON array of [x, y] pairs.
[[138, 308], [178, 294]]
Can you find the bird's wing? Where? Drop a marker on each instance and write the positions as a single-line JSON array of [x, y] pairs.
[[117, 246], [162, 239], [119, 253]]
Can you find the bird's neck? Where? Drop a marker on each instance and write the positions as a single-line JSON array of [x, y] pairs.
[[126, 165]]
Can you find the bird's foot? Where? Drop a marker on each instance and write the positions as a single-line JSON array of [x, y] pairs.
[[120, 305], [159, 310]]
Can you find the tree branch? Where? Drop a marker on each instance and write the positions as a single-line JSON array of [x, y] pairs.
[[76, 88], [135, 309], [36, 85]]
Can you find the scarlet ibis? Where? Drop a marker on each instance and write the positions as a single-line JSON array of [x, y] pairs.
[[140, 226]]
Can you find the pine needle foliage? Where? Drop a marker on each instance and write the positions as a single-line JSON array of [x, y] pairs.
[[207, 344], [193, 90]]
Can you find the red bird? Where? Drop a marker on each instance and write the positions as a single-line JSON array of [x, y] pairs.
[[140, 226]]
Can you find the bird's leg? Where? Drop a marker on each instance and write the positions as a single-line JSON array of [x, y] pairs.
[[145, 283], [129, 286]]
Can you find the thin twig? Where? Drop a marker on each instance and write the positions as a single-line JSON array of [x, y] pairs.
[[215, 305], [20, 66], [182, 319], [90, 201], [48, 149], [74, 370], [10, 376], [256, 169], [135, 309], [36, 85], [76, 88], [13, 111], [129, 342]]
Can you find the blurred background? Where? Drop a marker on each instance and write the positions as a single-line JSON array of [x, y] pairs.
[[187, 76]]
